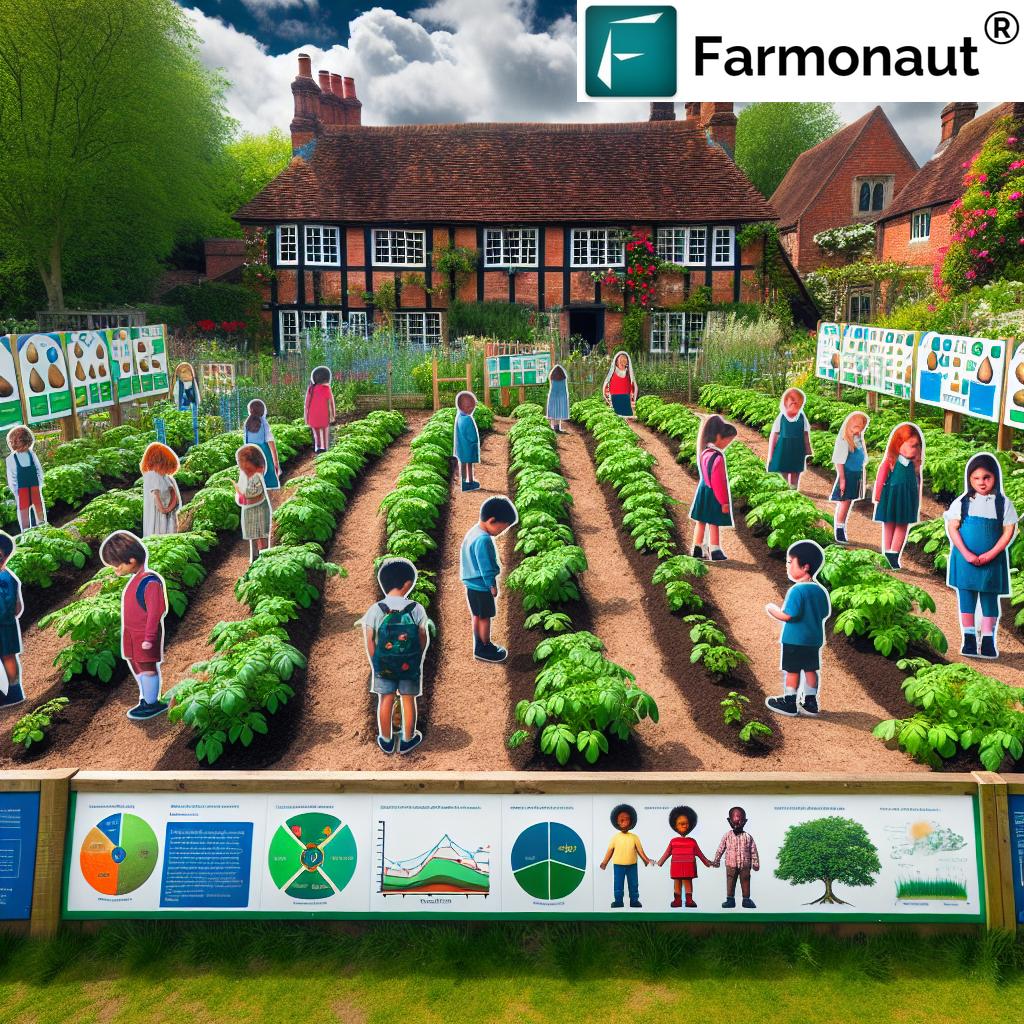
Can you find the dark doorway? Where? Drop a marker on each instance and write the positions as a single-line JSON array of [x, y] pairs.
[[587, 324]]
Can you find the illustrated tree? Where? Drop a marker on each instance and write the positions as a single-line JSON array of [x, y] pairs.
[[110, 132], [770, 136], [828, 850]]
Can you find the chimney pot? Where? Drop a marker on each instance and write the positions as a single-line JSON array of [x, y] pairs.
[[305, 66], [336, 85], [663, 112], [350, 88], [953, 117], [325, 80]]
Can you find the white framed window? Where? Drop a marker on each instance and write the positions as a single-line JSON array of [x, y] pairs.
[[326, 320], [597, 247], [676, 332], [289, 319], [696, 246], [287, 243], [861, 301], [394, 247], [685, 246], [356, 323], [510, 247], [921, 226], [724, 240], [418, 328], [322, 246]]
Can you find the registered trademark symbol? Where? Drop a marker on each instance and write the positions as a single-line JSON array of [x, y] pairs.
[[1002, 27]]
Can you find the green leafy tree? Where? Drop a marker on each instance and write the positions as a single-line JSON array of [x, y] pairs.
[[110, 129], [246, 166], [828, 850], [770, 136]]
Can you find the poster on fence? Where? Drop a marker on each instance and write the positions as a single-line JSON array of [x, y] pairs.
[[1013, 414], [150, 345], [44, 375], [89, 363], [10, 392], [1016, 808], [961, 374], [625, 857], [216, 377], [19, 828], [518, 369], [876, 359], [829, 342], [122, 364]]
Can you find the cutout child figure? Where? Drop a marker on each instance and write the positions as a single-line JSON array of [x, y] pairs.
[[850, 459], [897, 492], [397, 636], [25, 478], [257, 431], [188, 395], [143, 607], [740, 859], [981, 524], [623, 851], [620, 387], [684, 852], [712, 503], [790, 440], [467, 439], [11, 607], [479, 570], [251, 494], [320, 409], [161, 497], [557, 410], [805, 611]]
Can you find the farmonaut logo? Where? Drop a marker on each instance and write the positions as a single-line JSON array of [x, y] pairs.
[[630, 51]]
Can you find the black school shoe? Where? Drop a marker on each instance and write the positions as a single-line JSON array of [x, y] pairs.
[[840, 532], [729, 904], [491, 653], [405, 745], [387, 745], [808, 706], [969, 647], [893, 558], [144, 710], [988, 647], [718, 555], [636, 904], [698, 551], [749, 904], [783, 705]]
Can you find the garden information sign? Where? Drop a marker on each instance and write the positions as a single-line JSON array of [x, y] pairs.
[[961, 374], [827, 362], [877, 360], [122, 364], [19, 827], [151, 359], [355, 855], [521, 369], [44, 375], [10, 391], [89, 359], [1013, 413]]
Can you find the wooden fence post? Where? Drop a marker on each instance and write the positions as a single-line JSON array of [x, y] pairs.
[[469, 375], [48, 884], [993, 809], [951, 422], [1004, 432], [437, 391], [390, 386]]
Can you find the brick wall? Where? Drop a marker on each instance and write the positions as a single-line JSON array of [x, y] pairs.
[[895, 243], [223, 255]]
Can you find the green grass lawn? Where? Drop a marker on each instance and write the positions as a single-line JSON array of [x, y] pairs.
[[399, 973]]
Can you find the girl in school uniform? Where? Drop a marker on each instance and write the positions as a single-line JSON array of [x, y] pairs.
[[850, 459], [558, 397], [620, 387], [981, 524], [251, 494], [257, 431], [712, 504], [790, 440], [25, 478], [320, 410], [161, 498], [897, 492]]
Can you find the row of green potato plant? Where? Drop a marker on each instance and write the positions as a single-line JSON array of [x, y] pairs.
[[581, 698], [626, 467], [228, 698]]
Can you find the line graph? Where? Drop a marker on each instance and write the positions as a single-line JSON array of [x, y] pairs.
[[445, 868]]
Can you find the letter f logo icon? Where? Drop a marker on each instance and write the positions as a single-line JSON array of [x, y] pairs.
[[630, 51]]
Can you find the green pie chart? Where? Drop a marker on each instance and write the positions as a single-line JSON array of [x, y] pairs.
[[549, 860], [312, 856]]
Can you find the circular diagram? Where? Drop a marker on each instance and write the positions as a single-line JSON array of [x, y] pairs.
[[119, 854], [549, 860], [312, 856]]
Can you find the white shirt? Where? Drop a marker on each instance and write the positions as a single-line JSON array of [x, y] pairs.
[[777, 425], [984, 507], [841, 452], [374, 616], [25, 458]]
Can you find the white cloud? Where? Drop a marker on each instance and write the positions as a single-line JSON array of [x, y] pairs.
[[259, 6]]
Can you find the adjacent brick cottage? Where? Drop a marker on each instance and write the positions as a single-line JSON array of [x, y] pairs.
[[852, 177], [540, 204]]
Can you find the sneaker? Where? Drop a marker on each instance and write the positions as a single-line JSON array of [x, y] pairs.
[[783, 705], [809, 705], [405, 745], [690, 901], [698, 551], [676, 902], [969, 647], [988, 647], [15, 695], [145, 710], [718, 555], [840, 533], [893, 558], [729, 904], [491, 653], [387, 745], [749, 904], [473, 485], [636, 904], [617, 905]]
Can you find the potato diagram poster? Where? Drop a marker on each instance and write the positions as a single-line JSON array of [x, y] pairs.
[[150, 347], [44, 373], [89, 361], [1013, 415], [886, 857], [961, 374], [10, 393], [122, 364]]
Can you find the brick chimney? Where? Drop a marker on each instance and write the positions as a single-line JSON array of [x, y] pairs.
[[953, 117], [692, 111], [306, 94], [663, 112], [719, 123], [353, 108]]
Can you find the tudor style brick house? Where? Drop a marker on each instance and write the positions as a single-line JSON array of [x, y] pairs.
[[850, 178], [541, 205], [916, 228]]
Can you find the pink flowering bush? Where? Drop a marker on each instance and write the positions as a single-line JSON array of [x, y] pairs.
[[987, 224]]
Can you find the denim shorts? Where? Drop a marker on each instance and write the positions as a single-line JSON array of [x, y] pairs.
[[404, 687]]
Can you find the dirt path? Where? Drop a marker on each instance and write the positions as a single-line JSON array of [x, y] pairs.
[[841, 739], [620, 616], [862, 532]]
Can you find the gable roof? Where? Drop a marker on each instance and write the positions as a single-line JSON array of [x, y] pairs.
[[616, 173], [813, 169], [941, 180]]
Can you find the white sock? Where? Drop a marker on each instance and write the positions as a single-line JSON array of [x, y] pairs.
[[149, 685]]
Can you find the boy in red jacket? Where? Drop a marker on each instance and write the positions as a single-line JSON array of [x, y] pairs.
[[143, 607]]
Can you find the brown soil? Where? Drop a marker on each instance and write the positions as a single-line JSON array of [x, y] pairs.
[[840, 740]]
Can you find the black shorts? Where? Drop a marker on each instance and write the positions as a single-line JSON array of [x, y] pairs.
[[481, 603], [800, 658]]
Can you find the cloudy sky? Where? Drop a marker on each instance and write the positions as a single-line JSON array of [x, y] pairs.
[[427, 62]]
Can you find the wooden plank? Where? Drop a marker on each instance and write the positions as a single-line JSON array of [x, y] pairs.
[[28, 780], [993, 856], [49, 877]]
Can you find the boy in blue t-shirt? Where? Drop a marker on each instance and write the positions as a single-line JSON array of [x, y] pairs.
[[805, 612], [467, 439], [479, 569], [11, 607]]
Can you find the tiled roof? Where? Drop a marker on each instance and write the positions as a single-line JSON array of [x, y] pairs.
[[941, 180], [614, 173], [813, 169]]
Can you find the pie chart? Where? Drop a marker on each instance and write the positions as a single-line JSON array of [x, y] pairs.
[[549, 860], [312, 856], [119, 854]]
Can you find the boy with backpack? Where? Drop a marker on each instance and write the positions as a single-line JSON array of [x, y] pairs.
[[397, 637], [11, 607], [143, 607]]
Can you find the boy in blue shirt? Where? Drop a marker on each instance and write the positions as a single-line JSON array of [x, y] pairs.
[[479, 569], [804, 613], [11, 607], [467, 439]]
